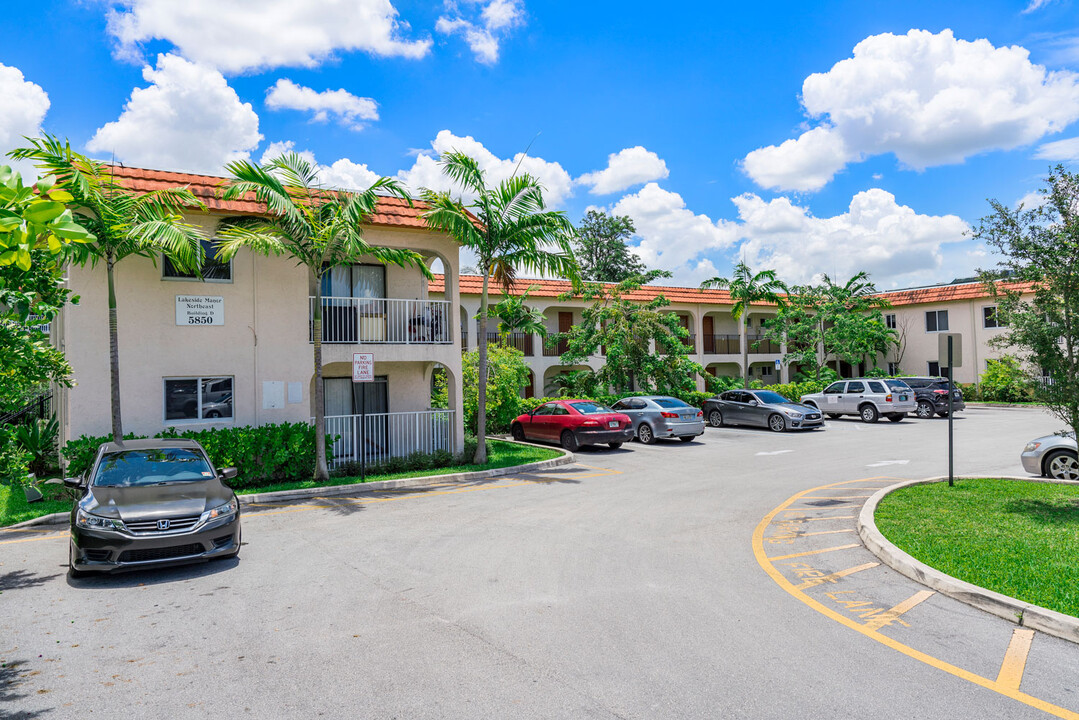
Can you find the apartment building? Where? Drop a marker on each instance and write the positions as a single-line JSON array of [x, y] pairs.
[[235, 346], [918, 315]]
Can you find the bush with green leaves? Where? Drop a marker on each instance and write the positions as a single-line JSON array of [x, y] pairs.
[[38, 439], [1005, 381], [264, 455], [13, 459], [507, 375]]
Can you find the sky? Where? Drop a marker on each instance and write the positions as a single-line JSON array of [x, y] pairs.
[[805, 137]]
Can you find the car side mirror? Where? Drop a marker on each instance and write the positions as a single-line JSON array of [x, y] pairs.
[[753, 403], [228, 473], [75, 482]]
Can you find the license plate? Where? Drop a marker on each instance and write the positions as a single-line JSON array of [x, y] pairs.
[[687, 417], [902, 398], [612, 423]]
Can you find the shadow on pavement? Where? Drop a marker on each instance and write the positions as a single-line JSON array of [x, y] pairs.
[[155, 576], [10, 677], [19, 579]]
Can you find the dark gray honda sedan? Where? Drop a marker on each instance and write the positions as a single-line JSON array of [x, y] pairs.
[[148, 503]]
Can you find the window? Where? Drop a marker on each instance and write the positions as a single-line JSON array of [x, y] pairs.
[[876, 387], [559, 410], [936, 321], [132, 468], [766, 370], [355, 281], [893, 368], [590, 408], [855, 387], [936, 370], [198, 398], [670, 403], [990, 319], [213, 270], [344, 397], [889, 321], [834, 389]]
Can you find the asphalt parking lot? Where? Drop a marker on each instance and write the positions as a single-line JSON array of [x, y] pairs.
[[638, 583]]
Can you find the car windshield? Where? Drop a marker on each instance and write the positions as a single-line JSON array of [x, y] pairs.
[[897, 385], [590, 408], [770, 398], [131, 468], [669, 403]]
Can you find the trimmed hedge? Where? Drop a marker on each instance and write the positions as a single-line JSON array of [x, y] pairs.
[[263, 455]]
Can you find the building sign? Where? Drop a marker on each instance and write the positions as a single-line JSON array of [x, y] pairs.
[[200, 310], [363, 367]]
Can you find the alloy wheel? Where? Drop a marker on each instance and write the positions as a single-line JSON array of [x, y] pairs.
[[715, 418], [925, 410], [776, 424], [1064, 466]]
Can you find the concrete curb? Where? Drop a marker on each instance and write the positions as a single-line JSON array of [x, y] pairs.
[[360, 488], [1010, 406], [1022, 613]]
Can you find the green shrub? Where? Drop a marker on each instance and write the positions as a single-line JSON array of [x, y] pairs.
[[263, 455], [971, 392], [13, 459], [1005, 381], [507, 373], [38, 439]]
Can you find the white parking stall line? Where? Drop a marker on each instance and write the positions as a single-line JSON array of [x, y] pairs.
[[882, 463]]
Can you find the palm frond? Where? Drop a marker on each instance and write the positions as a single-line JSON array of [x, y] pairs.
[[264, 239], [179, 241], [465, 171], [450, 216]]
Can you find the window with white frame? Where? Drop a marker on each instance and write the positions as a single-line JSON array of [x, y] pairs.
[[889, 321], [213, 270], [935, 370], [990, 319], [936, 321], [198, 399]]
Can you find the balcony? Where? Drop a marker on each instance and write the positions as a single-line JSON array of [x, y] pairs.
[[762, 345], [376, 437], [722, 345], [555, 349], [348, 320], [519, 340], [690, 342]]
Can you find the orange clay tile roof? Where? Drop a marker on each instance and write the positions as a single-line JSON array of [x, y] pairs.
[[473, 285], [946, 293], [392, 212]]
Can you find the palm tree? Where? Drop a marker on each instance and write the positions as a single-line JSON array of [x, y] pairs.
[[747, 288], [510, 229], [318, 228], [124, 224], [515, 315]]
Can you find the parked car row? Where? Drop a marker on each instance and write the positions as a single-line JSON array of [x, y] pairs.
[[575, 423]]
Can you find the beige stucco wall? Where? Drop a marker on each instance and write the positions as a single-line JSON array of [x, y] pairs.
[[965, 318], [265, 337]]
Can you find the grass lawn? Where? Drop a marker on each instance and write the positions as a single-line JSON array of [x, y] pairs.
[[1017, 538], [14, 509]]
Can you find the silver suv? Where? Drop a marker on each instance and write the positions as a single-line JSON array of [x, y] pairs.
[[868, 398]]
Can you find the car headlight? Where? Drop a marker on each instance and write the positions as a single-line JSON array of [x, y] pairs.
[[1032, 446], [224, 510], [791, 413], [96, 522]]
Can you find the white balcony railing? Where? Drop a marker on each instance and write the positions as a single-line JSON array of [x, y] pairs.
[[375, 320], [382, 436]]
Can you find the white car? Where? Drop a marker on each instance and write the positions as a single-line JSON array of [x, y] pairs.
[[868, 398]]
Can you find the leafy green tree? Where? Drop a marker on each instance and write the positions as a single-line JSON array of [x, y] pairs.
[[601, 250], [318, 228], [1005, 381], [509, 373], [510, 229], [748, 288], [1039, 303], [123, 224], [800, 324], [853, 322], [36, 233], [515, 315], [642, 342]]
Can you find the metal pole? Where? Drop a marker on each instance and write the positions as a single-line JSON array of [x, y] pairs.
[[951, 416], [363, 432]]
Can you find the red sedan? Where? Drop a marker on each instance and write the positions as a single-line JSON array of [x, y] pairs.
[[574, 423]]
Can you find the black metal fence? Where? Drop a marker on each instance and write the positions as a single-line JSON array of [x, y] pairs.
[[38, 407]]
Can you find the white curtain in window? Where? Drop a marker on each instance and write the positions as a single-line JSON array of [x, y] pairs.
[[338, 396]]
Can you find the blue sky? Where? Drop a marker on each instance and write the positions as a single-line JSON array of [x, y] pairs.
[[809, 138]]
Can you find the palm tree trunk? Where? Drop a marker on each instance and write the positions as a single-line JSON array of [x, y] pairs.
[[322, 471], [745, 349], [114, 354], [481, 404]]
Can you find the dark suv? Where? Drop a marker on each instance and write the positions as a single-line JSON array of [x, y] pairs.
[[932, 396]]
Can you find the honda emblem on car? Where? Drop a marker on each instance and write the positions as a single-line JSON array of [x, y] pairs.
[[162, 524]]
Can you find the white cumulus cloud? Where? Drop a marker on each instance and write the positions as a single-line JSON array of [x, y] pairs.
[[21, 113], [240, 35], [625, 168], [483, 30], [892, 242], [673, 237], [930, 99], [187, 119], [342, 174], [426, 172], [350, 110], [1063, 150]]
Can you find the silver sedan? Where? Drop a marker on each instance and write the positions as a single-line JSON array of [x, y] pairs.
[[1052, 455], [659, 416], [762, 408]]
